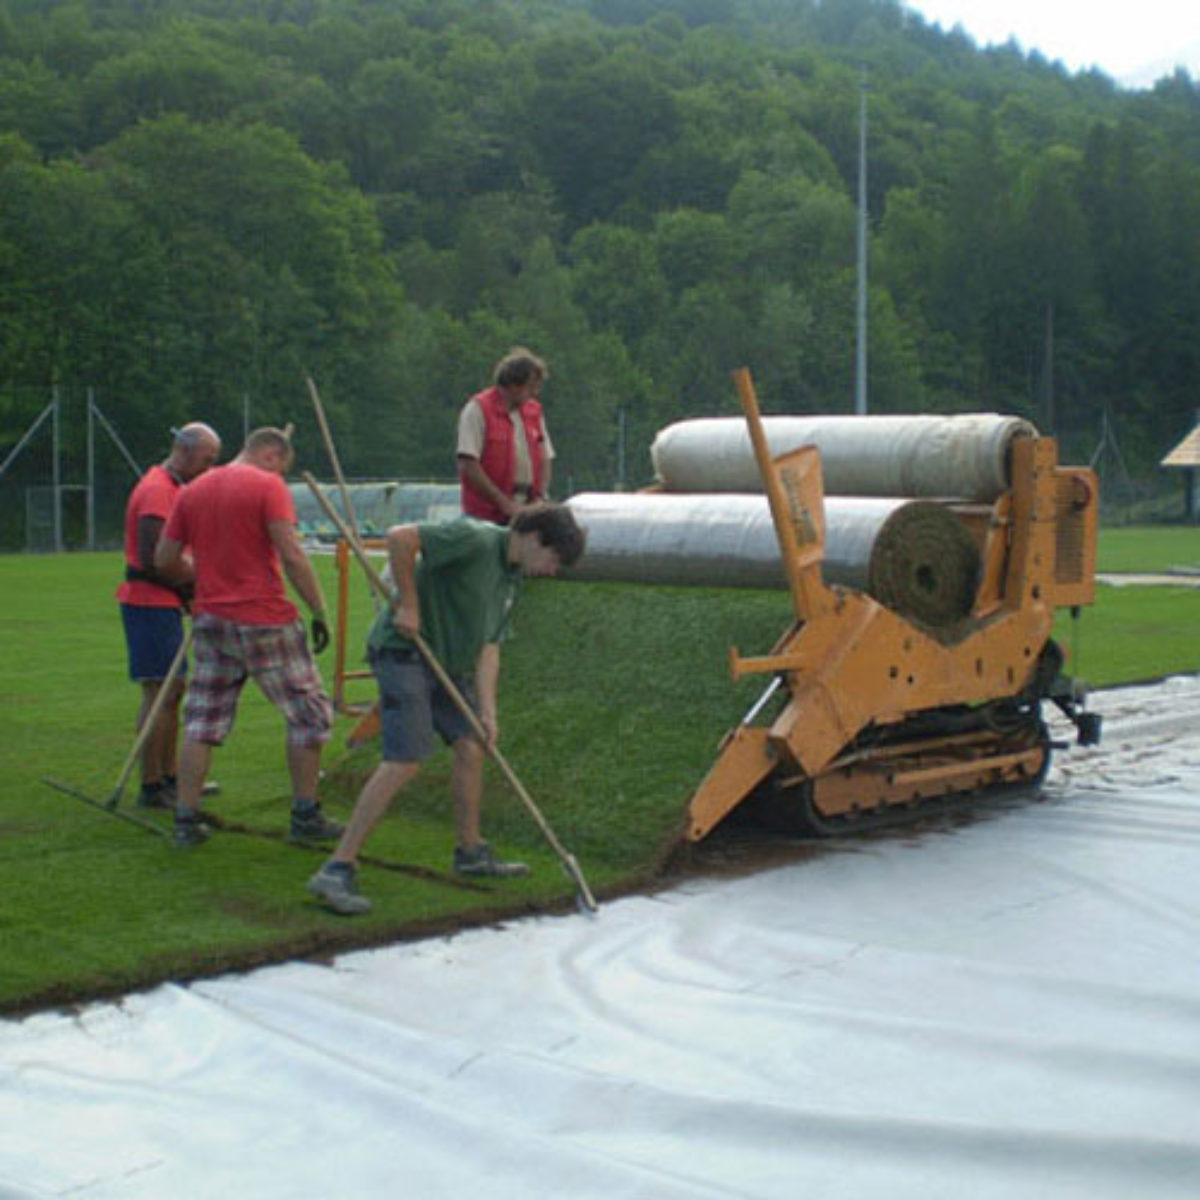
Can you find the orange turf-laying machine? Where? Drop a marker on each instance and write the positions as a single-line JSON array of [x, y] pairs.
[[882, 718]]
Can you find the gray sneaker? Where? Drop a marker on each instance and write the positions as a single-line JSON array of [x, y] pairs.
[[190, 830], [481, 860], [336, 885], [313, 826]]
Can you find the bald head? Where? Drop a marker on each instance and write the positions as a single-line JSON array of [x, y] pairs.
[[197, 446]]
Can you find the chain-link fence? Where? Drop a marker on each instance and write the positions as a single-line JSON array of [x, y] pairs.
[[67, 465], [65, 472]]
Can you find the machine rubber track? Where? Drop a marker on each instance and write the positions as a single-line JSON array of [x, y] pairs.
[[792, 805]]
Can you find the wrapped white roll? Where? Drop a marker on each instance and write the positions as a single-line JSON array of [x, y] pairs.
[[912, 555], [962, 457]]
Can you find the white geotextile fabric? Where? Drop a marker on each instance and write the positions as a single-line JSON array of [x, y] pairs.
[[1003, 1007]]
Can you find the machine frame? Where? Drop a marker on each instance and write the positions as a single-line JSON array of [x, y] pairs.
[[882, 715]]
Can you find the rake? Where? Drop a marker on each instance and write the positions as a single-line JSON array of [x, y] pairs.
[[110, 805]]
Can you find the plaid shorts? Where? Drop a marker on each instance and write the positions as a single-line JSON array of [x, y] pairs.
[[277, 657]]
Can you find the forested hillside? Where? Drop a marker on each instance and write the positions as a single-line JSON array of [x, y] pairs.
[[201, 203]]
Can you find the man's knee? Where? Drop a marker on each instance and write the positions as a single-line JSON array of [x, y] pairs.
[[395, 774], [468, 751], [309, 720]]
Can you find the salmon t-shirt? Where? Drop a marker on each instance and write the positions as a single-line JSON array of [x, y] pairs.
[[224, 517], [154, 496]]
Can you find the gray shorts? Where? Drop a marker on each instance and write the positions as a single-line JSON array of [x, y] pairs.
[[413, 705]]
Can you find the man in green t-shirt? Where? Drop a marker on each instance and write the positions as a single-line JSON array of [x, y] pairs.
[[456, 583]]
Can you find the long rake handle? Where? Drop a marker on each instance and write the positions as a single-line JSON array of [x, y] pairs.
[[335, 462], [565, 856], [164, 690], [319, 409]]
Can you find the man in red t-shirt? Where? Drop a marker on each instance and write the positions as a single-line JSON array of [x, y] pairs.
[[240, 524], [152, 603]]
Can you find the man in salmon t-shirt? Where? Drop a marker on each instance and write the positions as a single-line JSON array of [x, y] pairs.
[[152, 603], [241, 528]]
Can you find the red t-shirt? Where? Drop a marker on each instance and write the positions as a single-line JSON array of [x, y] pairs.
[[154, 496], [223, 516]]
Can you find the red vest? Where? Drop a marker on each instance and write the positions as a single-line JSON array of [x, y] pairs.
[[499, 458]]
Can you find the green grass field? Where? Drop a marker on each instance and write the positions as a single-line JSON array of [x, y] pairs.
[[1149, 548], [613, 700]]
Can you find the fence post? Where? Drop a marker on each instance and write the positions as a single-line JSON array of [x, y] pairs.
[[56, 476], [91, 474]]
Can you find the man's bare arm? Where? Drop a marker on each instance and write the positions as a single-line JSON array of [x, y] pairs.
[[149, 532], [487, 677], [296, 566], [168, 557], [403, 546]]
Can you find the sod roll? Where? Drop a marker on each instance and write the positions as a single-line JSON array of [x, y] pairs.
[[924, 564], [915, 556], [949, 457]]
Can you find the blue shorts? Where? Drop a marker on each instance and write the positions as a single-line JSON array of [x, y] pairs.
[[153, 636], [413, 705]]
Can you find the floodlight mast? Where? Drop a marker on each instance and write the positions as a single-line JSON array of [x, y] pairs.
[[860, 355]]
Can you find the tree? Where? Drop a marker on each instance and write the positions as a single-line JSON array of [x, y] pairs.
[[617, 280], [39, 105], [393, 108], [176, 70], [274, 262], [592, 129], [789, 228]]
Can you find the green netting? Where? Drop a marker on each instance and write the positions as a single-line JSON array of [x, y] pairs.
[[376, 506]]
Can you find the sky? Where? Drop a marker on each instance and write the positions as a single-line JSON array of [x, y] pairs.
[[1134, 44]]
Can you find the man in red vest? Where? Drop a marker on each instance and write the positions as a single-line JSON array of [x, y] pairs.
[[504, 451]]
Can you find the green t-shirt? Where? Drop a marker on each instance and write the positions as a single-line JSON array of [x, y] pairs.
[[466, 587]]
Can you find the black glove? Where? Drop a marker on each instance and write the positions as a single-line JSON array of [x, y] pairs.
[[320, 634]]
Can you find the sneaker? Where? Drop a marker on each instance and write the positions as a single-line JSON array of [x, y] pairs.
[[312, 825], [155, 795], [336, 885], [481, 860], [190, 830]]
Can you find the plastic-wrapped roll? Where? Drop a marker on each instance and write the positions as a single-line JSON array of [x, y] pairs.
[[912, 555], [961, 457], [646, 537]]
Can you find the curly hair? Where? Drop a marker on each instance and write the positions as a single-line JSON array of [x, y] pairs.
[[518, 367], [556, 529]]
